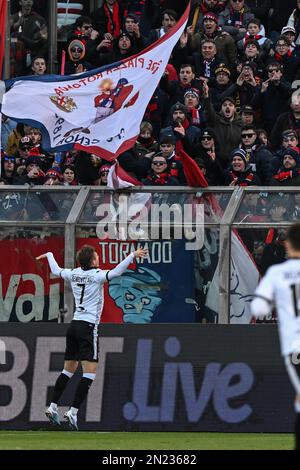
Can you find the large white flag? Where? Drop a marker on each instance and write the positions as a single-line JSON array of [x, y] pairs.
[[99, 111], [244, 278]]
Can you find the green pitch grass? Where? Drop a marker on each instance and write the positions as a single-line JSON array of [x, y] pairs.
[[45, 440]]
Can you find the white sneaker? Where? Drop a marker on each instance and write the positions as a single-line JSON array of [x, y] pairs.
[[53, 416], [72, 420]]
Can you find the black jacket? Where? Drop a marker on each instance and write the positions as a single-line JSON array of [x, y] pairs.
[[136, 165], [260, 163], [272, 102]]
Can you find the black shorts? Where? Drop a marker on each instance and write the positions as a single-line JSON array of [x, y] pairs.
[[82, 342]]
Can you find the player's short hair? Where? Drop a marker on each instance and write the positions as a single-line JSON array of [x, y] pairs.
[[85, 256], [293, 236]]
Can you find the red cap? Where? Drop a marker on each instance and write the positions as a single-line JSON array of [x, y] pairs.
[[210, 16]]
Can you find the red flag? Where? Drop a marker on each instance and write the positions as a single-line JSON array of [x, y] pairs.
[[3, 9], [196, 179], [119, 178], [192, 172]]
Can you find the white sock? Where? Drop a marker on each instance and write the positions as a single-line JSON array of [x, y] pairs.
[[53, 406], [67, 373], [89, 376], [74, 411]]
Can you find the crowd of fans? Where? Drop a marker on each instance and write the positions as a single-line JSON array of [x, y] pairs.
[[227, 96]]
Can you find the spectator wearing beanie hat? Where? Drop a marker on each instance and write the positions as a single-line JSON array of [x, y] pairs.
[[208, 150], [103, 174], [247, 114], [290, 33], [202, 7], [289, 173], [167, 148], [240, 173], [220, 85], [184, 131], [33, 174], [146, 145], [45, 161], [246, 86], [53, 176], [225, 45], [76, 62], [289, 138], [24, 147]]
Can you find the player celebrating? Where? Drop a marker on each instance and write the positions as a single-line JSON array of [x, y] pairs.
[[280, 289], [82, 335]]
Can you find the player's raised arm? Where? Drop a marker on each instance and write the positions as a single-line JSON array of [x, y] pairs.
[[55, 269], [121, 267], [141, 253]]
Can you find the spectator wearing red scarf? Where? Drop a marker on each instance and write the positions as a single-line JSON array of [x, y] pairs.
[[234, 19], [107, 20], [159, 175], [284, 56]]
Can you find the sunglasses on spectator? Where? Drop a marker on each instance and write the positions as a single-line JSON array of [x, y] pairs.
[[273, 70], [158, 163], [76, 49], [237, 1], [87, 26], [244, 136], [104, 173], [282, 45], [9, 159], [206, 138]]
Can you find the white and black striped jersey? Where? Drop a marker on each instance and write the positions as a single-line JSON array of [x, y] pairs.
[[280, 288], [87, 287]]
